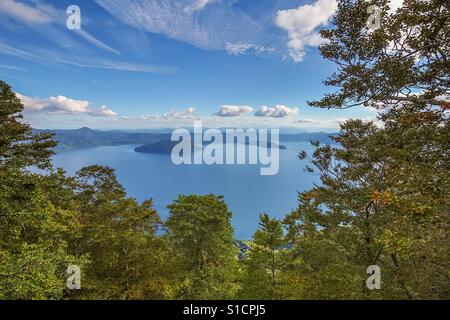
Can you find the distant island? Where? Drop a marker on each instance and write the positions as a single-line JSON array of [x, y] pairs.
[[155, 141], [166, 146], [161, 147]]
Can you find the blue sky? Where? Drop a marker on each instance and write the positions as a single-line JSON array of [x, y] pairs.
[[159, 63]]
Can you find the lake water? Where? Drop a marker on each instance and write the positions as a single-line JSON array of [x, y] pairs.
[[246, 192]]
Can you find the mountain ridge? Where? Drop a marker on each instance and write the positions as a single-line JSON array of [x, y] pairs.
[[85, 137]]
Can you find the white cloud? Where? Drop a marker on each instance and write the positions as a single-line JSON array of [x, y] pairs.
[[105, 111], [306, 121], [197, 5], [31, 103], [237, 48], [301, 24], [278, 111], [187, 114], [63, 105], [332, 123], [240, 48], [233, 111], [323, 123], [23, 12]]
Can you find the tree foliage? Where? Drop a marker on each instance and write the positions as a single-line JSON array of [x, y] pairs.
[[405, 59], [201, 236], [264, 261], [384, 193], [34, 231]]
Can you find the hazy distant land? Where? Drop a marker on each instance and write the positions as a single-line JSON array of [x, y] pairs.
[[151, 142]]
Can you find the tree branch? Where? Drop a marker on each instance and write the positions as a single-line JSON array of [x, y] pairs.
[[416, 100]]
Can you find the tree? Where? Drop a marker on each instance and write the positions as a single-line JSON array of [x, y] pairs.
[[382, 201], [34, 230], [405, 60], [264, 260], [383, 197], [120, 236], [201, 237], [19, 147]]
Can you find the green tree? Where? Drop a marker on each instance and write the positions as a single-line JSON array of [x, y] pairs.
[[405, 60], [384, 193], [35, 230], [201, 236], [120, 236], [382, 201], [19, 147], [264, 260]]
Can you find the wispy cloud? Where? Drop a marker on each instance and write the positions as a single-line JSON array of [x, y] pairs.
[[188, 114], [126, 66], [96, 42], [330, 123], [45, 14], [71, 47], [197, 5], [51, 58], [240, 48], [220, 25], [206, 24], [23, 12], [209, 29], [2, 66]]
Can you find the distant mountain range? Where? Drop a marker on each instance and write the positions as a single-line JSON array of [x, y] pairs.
[[88, 138], [152, 142]]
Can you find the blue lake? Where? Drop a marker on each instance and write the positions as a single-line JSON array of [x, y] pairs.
[[246, 192]]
